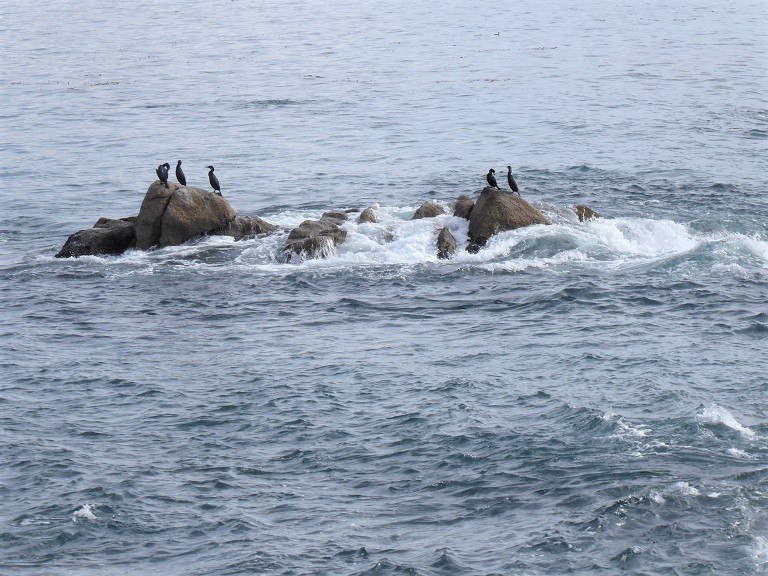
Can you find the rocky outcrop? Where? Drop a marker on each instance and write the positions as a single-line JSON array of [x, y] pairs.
[[244, 228], [498, 211], [585, 212], [316, 238], [462, 208], [428, 210], [171, 216], [151, 214], [446, 244], [107, 237], [367, 215], [191, 212]]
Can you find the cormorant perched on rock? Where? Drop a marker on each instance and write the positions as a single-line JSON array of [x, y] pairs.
[[180, 174], [492, 179], [162, 173], [511, 180], [214, 181]]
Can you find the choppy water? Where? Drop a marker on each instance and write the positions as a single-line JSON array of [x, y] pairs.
[[578, 398]]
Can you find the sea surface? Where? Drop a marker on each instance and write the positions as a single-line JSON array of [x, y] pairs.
[[580, 398]]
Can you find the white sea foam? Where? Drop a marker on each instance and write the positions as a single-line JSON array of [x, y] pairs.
[[642, 236], [715, 414], [396, 239], [759, 552], [686, 489], [737, 452], [656, 497], [755, 245], [86, 512]]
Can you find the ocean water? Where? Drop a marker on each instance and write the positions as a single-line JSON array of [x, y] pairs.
[[582, 398]]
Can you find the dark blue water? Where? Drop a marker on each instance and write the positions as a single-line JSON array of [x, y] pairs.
[[578, 398]]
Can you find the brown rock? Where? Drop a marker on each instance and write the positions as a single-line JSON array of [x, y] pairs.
[[107, 237], [191, 212], [446, 244], [337, 217], [171, 216], [462, 208], [367, 215], [498, 211], [315, 238], [245, 227], [585, 212], [150, 216], [428, 210]]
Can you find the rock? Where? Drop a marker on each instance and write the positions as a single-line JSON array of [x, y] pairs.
[[585, 212], [245, 227], [171, 216], [151, 213], [446, 244], [428, 210], [191, 212], [367, 215], [337, 217], [462, 208], [315, 238], [498, 211], [107, 237]]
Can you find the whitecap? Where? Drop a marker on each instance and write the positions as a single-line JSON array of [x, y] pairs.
[[687, 489], [86, 512], [656, 497], [715, 414], [642, 236]]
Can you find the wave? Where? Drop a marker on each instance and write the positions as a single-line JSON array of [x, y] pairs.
[[715, 414], [397, 240]]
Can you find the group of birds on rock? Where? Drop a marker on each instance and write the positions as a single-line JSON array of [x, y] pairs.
[[491, 177], [162, 174]]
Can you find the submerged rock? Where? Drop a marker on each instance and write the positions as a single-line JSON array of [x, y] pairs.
[[245, 227], [462, 208], [446, 244], [367, 215], [428, 210], [585, 212], [498, 211], [107, 237], [316, 238]]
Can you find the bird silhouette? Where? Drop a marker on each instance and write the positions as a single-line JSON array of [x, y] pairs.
[[511, 180], [180, 174], [214, 181], [492, 178]]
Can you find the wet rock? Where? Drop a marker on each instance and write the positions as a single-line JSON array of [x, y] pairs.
[[245, 227], [367, 215], [337, 217], [107, 237], [428, 210], [315, 238], [498, 211], [462, 208], [446, 244], [585, 212]]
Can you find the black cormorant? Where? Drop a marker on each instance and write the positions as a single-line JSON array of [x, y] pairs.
[[511, 180], [492, 178], [180, 174], [214, 181], [162, 173]]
